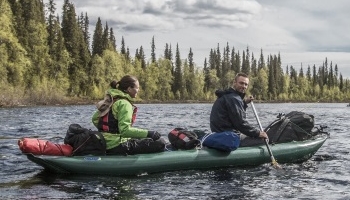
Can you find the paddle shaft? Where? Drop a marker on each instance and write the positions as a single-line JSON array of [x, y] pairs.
[[266, 140]]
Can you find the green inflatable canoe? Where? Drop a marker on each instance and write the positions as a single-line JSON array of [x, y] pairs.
[[292, 152]]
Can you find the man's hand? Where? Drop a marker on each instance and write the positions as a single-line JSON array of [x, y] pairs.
[[248, 99], [263, 135]]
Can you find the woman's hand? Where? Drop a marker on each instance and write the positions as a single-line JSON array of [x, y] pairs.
[[154, 135]]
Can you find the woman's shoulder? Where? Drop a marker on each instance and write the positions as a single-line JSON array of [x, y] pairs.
[[122, 103]]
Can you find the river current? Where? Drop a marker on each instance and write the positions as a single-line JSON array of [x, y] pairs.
[[325, 176]]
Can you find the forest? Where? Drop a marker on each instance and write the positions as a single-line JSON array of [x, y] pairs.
[[49, 58]]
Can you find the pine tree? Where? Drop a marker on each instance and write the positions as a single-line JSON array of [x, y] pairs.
[[336, 81], [166, 51], [331, 76], [271, 79], [97, 42], [261, 62], [279, 76], [153, 51], [170, 53], [308, 73], [112, 39], [122, 48], [254, 66], [218, 62], [237, 62], [190, 79], [190, 61], [212, 56], [206, 76], [341, 83], [232, 61], [314, 76], [142, 58], [105, 38], [51, 26], [78, 51], [177, 85], [246, 62], [84, 25], [127, 55]]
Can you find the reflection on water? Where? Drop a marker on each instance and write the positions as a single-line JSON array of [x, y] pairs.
[[324, 176]]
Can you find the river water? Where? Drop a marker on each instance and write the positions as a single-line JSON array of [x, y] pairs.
[[325, 176]]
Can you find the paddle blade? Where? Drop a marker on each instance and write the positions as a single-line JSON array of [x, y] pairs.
[[275, 164]]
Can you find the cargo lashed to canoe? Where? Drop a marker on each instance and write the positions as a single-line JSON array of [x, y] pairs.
[[291, 152]]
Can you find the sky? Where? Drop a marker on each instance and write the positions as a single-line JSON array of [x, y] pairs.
[[303, 32]]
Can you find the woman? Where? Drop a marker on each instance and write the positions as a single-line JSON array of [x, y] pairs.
[[115, 117]]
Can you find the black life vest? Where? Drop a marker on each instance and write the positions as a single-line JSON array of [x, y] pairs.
[[108, 123]]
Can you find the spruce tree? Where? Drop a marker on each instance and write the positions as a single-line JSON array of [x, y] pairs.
[[246, 62], [112, 40], [97, 42], [142, 58], [153, 51], [190, 79], [166, 51], [261, 62], [206, 72], [254, 67], [237, 62], [105, 38], [78, 51], [177, 85], [232, 60], [218, 62], [271, 79], [122, 47]]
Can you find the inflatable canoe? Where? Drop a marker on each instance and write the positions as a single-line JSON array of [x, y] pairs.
[[291, 152]]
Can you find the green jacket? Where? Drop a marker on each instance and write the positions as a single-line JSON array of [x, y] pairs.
[[122, 110]]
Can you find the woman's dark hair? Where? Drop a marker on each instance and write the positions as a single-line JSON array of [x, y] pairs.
[[124, 83]]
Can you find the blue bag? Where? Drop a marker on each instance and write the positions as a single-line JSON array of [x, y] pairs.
[[225, 141]]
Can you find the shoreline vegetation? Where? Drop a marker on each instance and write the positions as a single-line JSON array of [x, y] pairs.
[[51, 60], [66, 101]]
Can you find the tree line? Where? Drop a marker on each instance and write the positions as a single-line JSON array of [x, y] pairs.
[[46, 58]]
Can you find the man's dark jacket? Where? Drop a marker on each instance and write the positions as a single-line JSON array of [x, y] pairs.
[[229, 113]]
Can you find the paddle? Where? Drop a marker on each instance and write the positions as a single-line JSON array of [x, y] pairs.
[[273, 161]]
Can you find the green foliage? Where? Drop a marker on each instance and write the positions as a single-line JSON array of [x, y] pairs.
[[259, 86], [49, 62], [151, 82], [13, 58], [165, 80]]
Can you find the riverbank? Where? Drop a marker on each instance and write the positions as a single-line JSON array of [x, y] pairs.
[[82, 101], [62, 101]]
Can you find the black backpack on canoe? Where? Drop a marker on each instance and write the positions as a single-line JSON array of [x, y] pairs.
[[85, 141], [294, 126]]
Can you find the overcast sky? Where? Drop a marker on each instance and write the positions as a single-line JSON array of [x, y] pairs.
[[304, 32]]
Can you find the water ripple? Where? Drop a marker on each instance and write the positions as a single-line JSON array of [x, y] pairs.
[[325, 176]]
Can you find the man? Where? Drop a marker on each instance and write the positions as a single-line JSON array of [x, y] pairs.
[[229, 111]]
